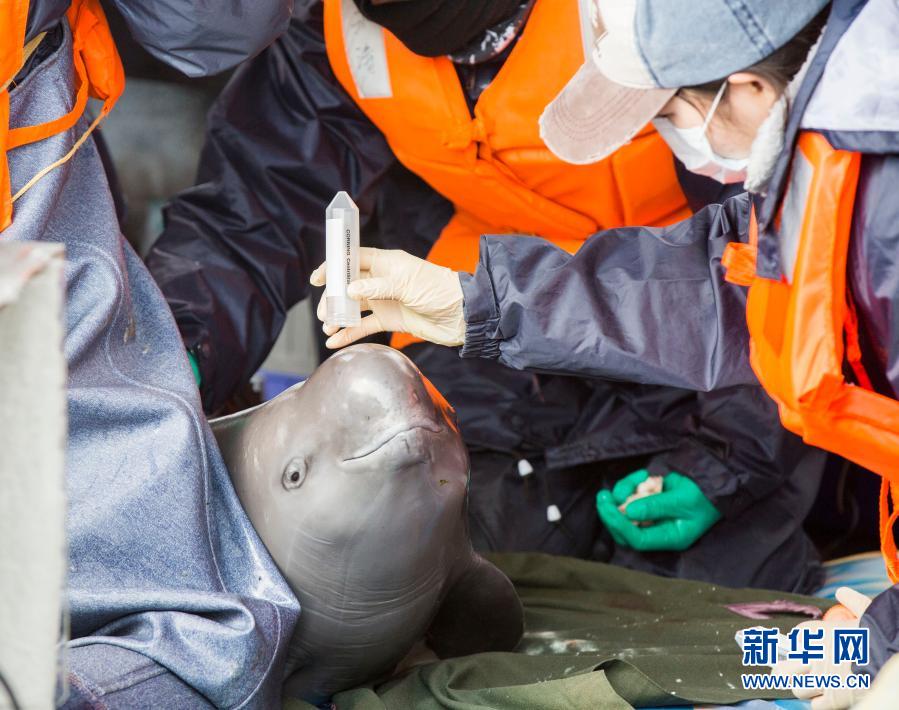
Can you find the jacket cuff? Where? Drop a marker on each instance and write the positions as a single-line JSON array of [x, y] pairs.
[[717, 481], [481, 313]]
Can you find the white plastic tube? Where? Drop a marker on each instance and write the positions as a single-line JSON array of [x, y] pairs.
[[342, 257]]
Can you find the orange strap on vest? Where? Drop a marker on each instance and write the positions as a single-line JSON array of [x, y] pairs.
[[13, 21], [802, 332], [889, 494], [100, 75]]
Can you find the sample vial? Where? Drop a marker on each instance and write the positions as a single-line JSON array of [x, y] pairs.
[[342, 258]]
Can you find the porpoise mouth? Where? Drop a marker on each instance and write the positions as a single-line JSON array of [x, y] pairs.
[[392, 434]]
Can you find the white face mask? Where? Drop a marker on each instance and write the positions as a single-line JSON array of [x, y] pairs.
[[692, 148]]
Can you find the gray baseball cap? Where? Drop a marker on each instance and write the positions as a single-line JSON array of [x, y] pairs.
[[646, 50]]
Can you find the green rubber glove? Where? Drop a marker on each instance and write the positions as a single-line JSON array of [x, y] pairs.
[[680, 514]]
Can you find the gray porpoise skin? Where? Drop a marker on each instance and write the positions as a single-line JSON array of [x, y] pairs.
[[356, 481]]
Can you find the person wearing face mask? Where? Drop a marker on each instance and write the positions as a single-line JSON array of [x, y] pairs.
[[814, 239], [436, 136]]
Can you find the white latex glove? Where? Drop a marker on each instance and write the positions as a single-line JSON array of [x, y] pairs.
[[405, 294], [832, 698], [885, 689]]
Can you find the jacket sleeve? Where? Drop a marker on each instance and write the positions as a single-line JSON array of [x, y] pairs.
[[640, 304], [882, 621], [238, 247], [202, 37]]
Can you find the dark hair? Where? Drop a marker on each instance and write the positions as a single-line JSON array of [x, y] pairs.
[[780, 66]]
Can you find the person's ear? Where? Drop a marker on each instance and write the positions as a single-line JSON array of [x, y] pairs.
[[750, 96], [752, 85]]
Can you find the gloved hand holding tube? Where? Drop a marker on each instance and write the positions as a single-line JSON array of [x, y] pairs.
[[678, 516], [404, 294]]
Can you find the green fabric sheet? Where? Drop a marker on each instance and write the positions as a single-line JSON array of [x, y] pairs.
[[596, 637]]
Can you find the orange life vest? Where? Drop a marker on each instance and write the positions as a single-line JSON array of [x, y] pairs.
[[803, 328], [493, 166], [97, 66]]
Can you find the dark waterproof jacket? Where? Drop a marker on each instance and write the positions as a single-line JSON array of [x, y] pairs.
[[651, 305], [236, 253]]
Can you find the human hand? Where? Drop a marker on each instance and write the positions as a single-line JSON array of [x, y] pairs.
[[885, 689], [405, 294], [677, 517], [852, 605]]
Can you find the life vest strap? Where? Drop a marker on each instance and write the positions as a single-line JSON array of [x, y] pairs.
[[739, 263], [889, 513], [853, 346], [99, 73], [32, 134]]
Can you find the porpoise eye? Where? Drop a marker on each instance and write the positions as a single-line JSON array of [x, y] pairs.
[[294, 473]]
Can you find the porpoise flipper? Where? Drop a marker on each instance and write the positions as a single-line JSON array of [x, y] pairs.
[[480, 613]]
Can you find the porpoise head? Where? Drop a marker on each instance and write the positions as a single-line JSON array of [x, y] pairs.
[[364, 440]]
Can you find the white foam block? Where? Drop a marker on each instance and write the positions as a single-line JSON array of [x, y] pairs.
[[32, 459]]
